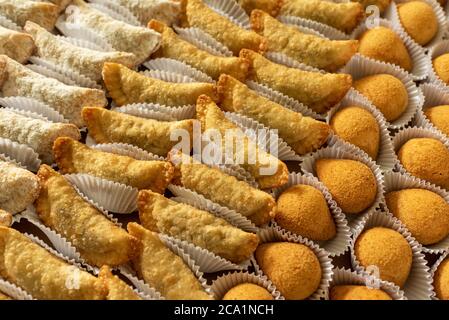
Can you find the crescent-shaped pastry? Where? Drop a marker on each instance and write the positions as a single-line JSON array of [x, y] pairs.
[[176, 48], [42, 274], [199, 227], [167, 11], [329, 55], [20, 11], [16, 45], [117, 289], [98, 240]]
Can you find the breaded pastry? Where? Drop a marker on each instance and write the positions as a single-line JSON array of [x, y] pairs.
[[439, 116], [16, 45], [293, 268], [441, 67], [167, 11], [387, 250], [117, 289], [202, 228], [20, 11], [380, 4], [5, 218], [247, 291], [441, 280], [357, 292], [419, 20], [98, 240]]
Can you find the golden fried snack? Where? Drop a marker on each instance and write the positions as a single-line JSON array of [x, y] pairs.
[[167, 11], [441, 66], [441, 280], [43, 275], [107, 126], [357, 292], [199, 15], [85, 61], [439, 116], [226, 190], [303, 134], [126, 86], [5, 218], [419, 20], [329, 55], [16, 45], [117, 289], [20, 11], [380, 4], [318, 91], [164, 270], [74, 157], [176, 48], [247, 291], [98, 240], [268, 171], [199, 227], [18, 80]]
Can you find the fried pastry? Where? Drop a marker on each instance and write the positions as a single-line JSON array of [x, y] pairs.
[[167, 11], [18, 187], [199, 227], [439, 117], [16, 45], [164, 270], [380, 4], [124, 37], [107, 126], [74, 157], [35, 133], [62, 4], [85, 61], [5, 218], [318, 91], [199, 15], [441, 280], [303, 134], [20, 11], [268, 171], [117, 289], [441, 66], [247, 291], [176, 48], [357, 292], [126, 86], [42, 274], [98, 240], [329, 55], [18, 80], [419, 21], [226, 190]]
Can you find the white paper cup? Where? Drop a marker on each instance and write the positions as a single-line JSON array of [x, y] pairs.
[[146, 113], [14, 291], [32, 106], [111, 8], [178, 68], [20, 153], [125, 149], [435, 268], [9, 24], [324, 29], [231, 10], [178, 113], [147, 290]]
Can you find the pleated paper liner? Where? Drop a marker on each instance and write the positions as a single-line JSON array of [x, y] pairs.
[[14, 291], [65, 75], [281, 58], [263, 136], [125, 149], [81, 43], [9, 24], [419, 282], [146, 113], [440, 48], [434, 95], [344, 277], [434, 269], [275, 235], [30, 105], [168, 76], [20, 153], [360, 66], [178, 68], [203, 40], [392, 14], [227, 281], [419, 59], [114, 10], [340, 243], [231, 10], [325, 30], [178, 113], [395, 181], [386, 157], [344, 150]]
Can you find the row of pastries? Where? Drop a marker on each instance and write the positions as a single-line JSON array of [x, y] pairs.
[[267, 66]]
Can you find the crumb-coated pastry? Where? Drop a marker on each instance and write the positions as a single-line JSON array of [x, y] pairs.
[[98, 240], [441, 280], [18, 80], [174, 47], [107, 126], [162, 269], [381, 43], [357, 292], [20, 11], [167, 11], [319, 91], [18, 187], [351, 183], [5, 218], [303, 210], [42, 274], [358, 126], [293, 268], [427, 159], [202, 228], [322, 53], [36, 133], [439, 116], [303, 134], [16, 45], [386, 92], [126, 86], [441, 67], [419, 21], [117, 289], [380, 4], [74, 157], [386, 249], [247, 291], [85, 61], [424, 213], [224, 189]]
